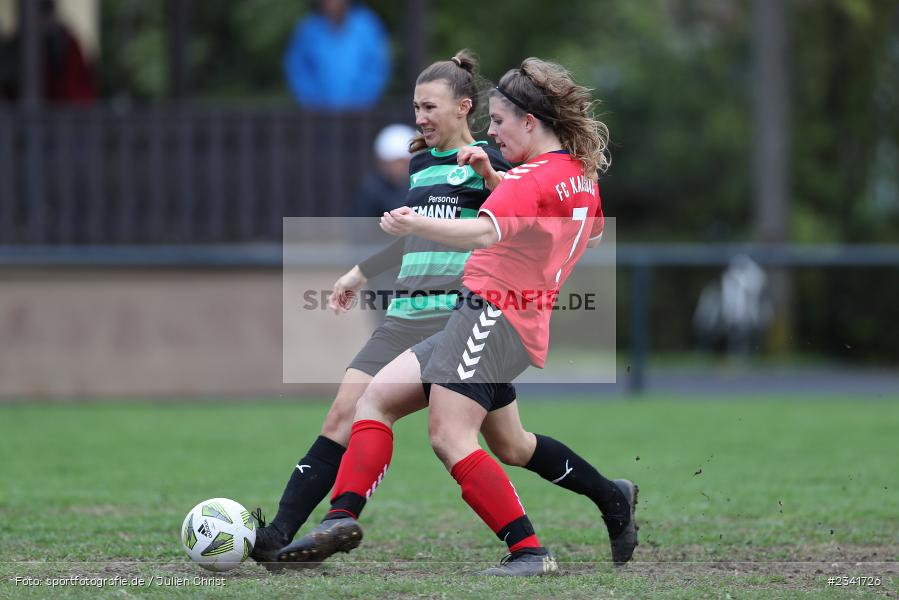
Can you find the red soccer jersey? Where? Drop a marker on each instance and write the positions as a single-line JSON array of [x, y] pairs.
[[545, 211]]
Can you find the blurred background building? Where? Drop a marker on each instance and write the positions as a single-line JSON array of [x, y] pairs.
[[149, 150]]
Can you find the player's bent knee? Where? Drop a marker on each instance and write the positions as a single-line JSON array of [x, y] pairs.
[[338, 423], [339, 420], [376, 403], [513, 456], [444, 440], [514, 448], [436, 436], [442, 448]]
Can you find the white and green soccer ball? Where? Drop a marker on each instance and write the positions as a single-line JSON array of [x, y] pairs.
[[218, 534]]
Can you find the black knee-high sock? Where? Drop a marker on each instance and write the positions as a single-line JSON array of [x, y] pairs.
[[557, 463], [311, 480]]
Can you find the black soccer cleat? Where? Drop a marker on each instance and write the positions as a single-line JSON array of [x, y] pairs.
[[625, 542], [330, 537], [528, 562], [268, 541]]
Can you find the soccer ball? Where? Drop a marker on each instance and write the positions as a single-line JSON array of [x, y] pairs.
[[218, 534]]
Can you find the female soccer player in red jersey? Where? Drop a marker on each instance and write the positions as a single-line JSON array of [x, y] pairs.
[[446, 96], [529, 234]]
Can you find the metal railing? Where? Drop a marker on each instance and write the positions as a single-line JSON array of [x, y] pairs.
[[642, 260], [177, 175]]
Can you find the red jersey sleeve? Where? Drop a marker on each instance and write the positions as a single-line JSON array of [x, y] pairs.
[[599, 223], [513, 206]]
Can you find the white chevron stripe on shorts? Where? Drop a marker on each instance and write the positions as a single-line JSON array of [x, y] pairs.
[[479, 331]]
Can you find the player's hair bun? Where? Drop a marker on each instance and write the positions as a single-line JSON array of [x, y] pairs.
[[466, 60]]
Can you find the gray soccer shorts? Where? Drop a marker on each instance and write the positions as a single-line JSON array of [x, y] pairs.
[[392, 338], [478, 354]]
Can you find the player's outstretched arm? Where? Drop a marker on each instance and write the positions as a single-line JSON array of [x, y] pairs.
[[467, 234]]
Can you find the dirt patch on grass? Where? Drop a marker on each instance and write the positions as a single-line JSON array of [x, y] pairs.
[[807, 569], [806, 553]]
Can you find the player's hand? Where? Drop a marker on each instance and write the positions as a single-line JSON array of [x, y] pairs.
[[345, 289], [400, 221], [477, 159]]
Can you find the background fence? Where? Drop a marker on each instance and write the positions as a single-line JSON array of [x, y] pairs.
[[168, 188], [177, 175], [641, 310]]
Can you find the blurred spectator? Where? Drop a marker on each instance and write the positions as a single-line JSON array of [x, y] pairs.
[[736, 309], [67, 76], [386, 187], [9, 69], [338, 57]]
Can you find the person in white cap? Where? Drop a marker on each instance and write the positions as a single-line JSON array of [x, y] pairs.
[[385, 188]]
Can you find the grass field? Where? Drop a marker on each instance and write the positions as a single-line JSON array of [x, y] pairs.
[[740, 498]]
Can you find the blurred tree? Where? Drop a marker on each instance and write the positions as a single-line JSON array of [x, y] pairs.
[[674, 76], [846, 80], [133, 53], [846, 167]]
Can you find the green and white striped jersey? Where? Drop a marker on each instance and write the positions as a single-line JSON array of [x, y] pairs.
[[439, 188]]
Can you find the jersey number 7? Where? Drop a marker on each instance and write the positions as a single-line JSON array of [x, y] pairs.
[[578, 214]]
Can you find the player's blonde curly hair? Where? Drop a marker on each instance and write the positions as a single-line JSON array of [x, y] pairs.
[[548, 91]]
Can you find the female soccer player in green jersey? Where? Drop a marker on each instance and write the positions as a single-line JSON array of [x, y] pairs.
[[443, 185]]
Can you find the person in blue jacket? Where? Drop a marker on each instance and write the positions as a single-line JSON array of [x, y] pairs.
[[338, 57]]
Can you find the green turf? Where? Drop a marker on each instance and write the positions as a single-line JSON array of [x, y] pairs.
[[743, 498]]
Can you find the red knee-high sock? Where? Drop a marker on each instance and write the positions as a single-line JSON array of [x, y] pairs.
[[487, 489], [362, 468]]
